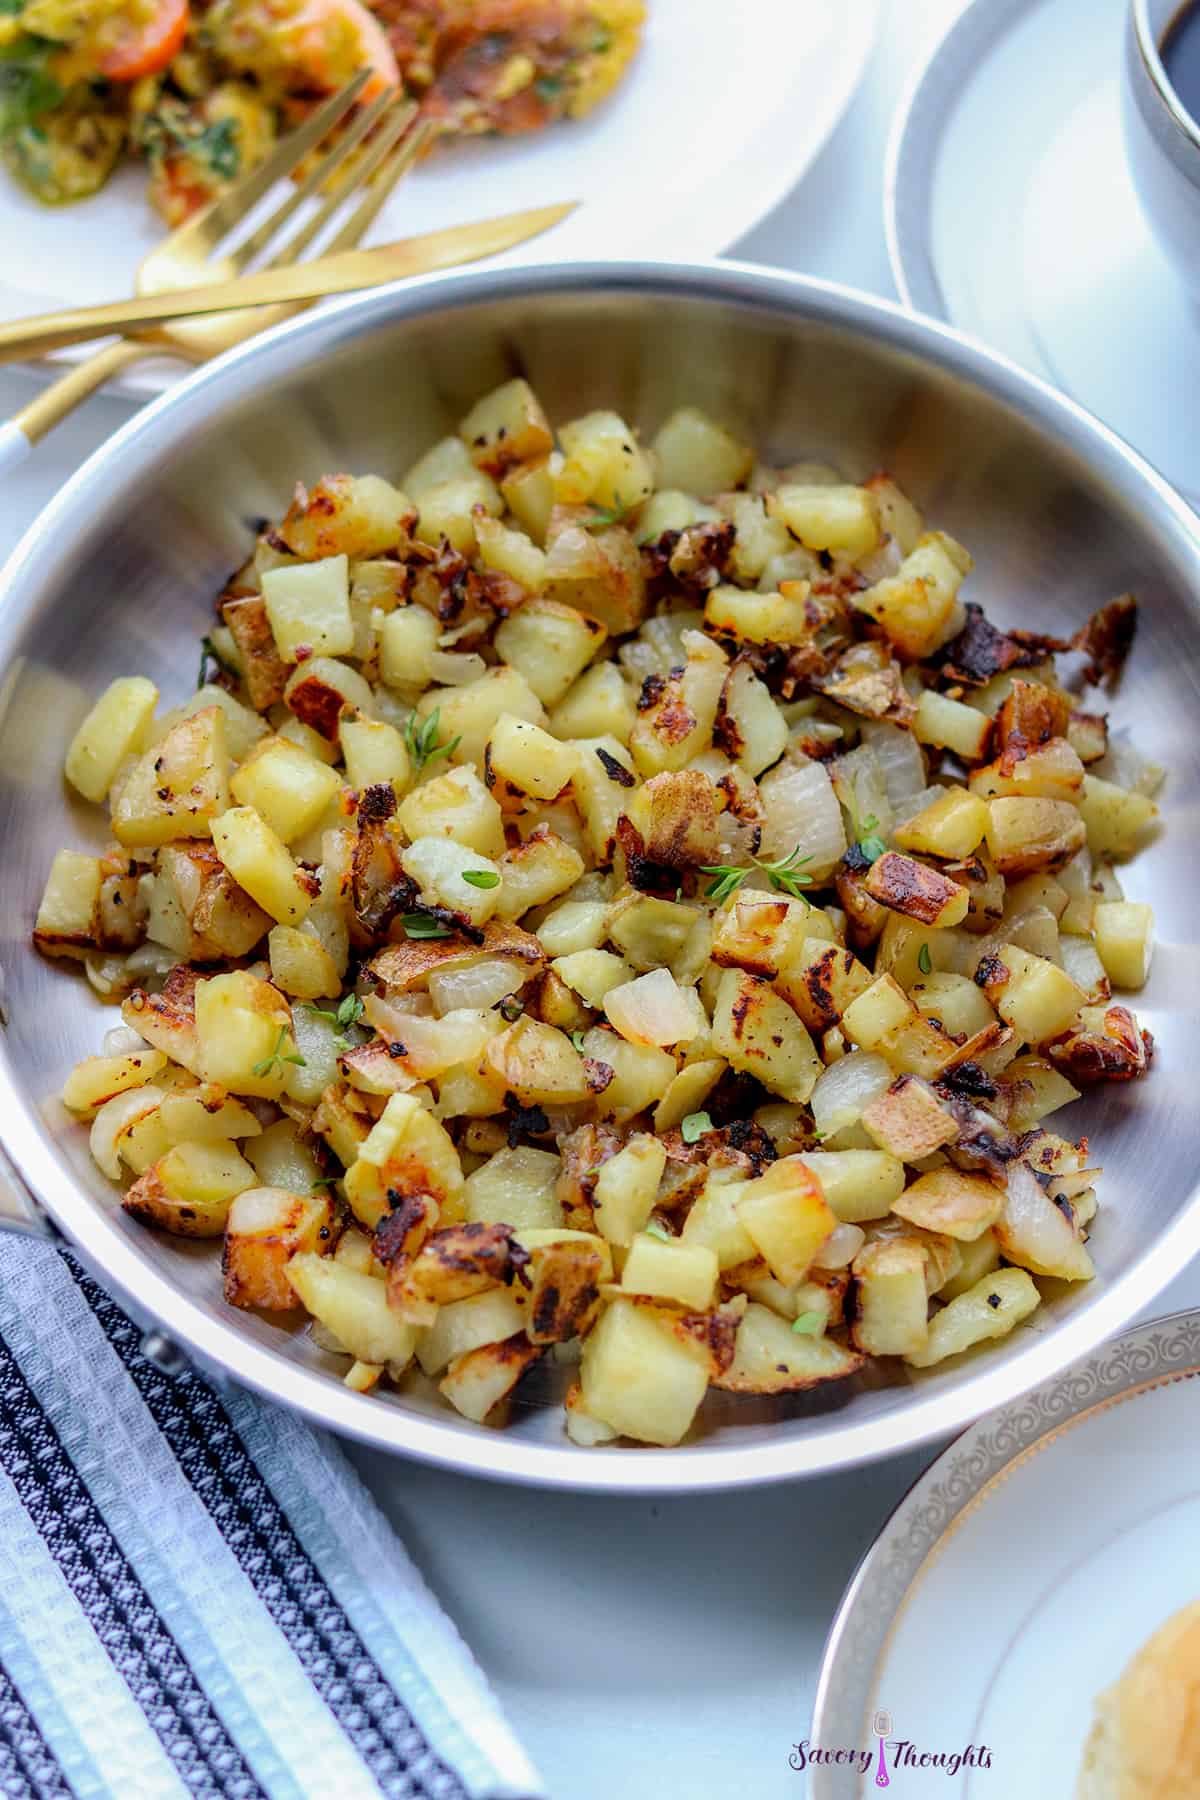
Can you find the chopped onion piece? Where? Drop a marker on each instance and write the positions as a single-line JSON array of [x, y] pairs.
[[455, 668], [859, 784], [653, 1009], [121, 1041], [1035, 1234], [802, 818], [899, 757], [847, 1088], [1081, 960], [114, 1118], [478, 985], [840, 1247]]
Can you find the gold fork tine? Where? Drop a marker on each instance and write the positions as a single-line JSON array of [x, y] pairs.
[[380, 187], [356, 177], [316, 179], [202, 234]]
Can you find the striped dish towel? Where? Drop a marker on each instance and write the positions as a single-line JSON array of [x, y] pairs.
[[198, 1596]]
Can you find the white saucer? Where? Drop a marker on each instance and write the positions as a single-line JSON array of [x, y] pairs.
[[1019, 1576], [1011, 214]]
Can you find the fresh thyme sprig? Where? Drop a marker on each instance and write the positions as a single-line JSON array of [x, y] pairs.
[[421, 740], [277, 1056], [348, 1012], [783, 875], [210, 653]]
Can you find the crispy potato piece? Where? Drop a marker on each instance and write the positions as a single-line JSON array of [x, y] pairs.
[[770, 1358], [264, 1229], [455, 1262], [986, 1311]]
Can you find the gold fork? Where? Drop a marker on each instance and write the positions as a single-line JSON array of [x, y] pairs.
[[199, 252]]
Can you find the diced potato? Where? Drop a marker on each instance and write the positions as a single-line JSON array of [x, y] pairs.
[[892, 1304], [685, 1274], [640, 1377], [952, 826], [986, 1311], [916, 890], [322, 689], [265, 1228], [522, 762], [575, 925], [1116, 820], [188, 1192], [603, 464], [650, 933], [374, 752], [178, 787], [470, 713], [950, 725], [455, 805], [258, 860], [476, 1383], [770, 1358], [715, 1222], [98, 1078], [757, 618], [1037, 1089], [290, 789], [687, 1092], [765, 934], [308, 605], [756, 1031], [300, 963], [566, 1271], [206, 1115], [979, 1257], [693, 452], [918, 606], [592, 974], [842, 519], [489, 1317], [1124, 936], [909, 1121], [1050, 771], [598, 705], [506, 427], [678, 726], [65, 923], [626, 1188], [878, 1011], [243, 1033], [786, 1217], [641, 1073], [444, 461], [535, 872], [448, 510], [443, 871], [408, 639], [952, 1202], [1034, 996], [749, 726], [550, 644], [1028, 834], [954, 1001], [354, 1307], [858, 1185], [515, 1187], [406, 1152], [361, 515], [114, 729], [538, 1063]]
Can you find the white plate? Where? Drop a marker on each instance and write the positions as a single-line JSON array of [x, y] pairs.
[[1011, 214], [721, 113], [1019, 1576]]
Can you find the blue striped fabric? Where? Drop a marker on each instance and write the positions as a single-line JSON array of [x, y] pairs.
[[198, 1597]]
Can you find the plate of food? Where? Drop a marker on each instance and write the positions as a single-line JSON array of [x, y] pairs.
[[1080, 1672], [120, 117], [602, 942]]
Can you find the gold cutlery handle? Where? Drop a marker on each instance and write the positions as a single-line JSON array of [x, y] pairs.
[[52, 405]]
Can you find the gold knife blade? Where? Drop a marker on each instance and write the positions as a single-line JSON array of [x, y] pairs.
[[315, 280]]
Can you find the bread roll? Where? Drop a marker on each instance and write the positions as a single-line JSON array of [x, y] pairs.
[[1145, 1741]]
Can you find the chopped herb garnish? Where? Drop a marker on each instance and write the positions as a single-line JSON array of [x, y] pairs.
[[481, 878], [603, 516], [548, 87], [808, 1324], [601, 42], [923, 960], [348, 1011], [277, 1055], [210, 653], [421, 740], [323, 1181], [27, 89], [577, 1040], [422, 925], [694, 1127], [869, 840], [656, 1231], [784, 875]]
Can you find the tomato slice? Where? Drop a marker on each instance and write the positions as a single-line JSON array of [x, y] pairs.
[[143, 49]]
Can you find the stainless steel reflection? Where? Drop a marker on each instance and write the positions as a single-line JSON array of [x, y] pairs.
[[119, 574]]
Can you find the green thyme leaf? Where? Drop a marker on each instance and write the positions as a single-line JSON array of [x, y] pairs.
[[695, 1126], [784, 875], [210, 653], [349, 1012], [577, 1040], [421, 740], [728, 880], [656, 1231], [277, 1055], [421, 925], [808, 1324], [481, 878], [923, 960], [603, 516]]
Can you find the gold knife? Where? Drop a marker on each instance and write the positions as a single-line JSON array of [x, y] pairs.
[[315, 280]]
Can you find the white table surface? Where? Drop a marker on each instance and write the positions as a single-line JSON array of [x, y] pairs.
[[652, 1648]]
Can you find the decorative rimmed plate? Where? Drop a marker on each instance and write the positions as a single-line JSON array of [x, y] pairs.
[[1011, 213], [1017, 1578], [651, 183]]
